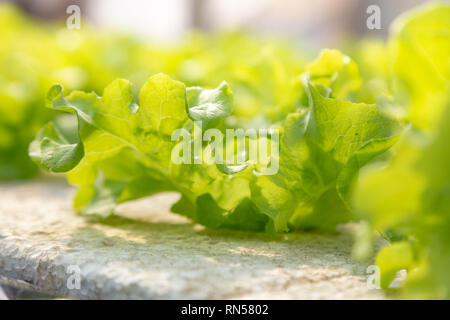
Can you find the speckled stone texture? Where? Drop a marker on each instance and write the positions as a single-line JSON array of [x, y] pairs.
[[2, 295], [148, 253]]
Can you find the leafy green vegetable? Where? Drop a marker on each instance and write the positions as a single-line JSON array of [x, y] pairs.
[[124, 152], [34, 55], [327, 125], [408, 197], [127, 147], [334, 73], [413, 203], [321, 152], [419, 46], [209, 106]]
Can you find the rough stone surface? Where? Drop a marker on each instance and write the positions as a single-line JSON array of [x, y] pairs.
[[2, 295], [148, 253]]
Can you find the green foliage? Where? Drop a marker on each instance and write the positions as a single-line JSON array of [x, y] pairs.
[[419, 47], [335, 73], [361, 138], [124, 152], [407, 198], [209, 106], [321, 152], [33, 56]]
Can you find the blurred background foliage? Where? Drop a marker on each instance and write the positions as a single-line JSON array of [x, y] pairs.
[[184, 39]]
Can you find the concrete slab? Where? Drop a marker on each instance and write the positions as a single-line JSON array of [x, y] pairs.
[[148, 253]]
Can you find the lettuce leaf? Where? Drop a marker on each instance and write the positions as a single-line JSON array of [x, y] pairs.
[[414, 205], [419, 46], [336, 75], [321, 153], [407, 198], [123, 149], [34, 55]]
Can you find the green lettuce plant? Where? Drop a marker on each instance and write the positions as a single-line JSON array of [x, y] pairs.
[[34, 55], [407, 198], [123, 152], [354, 139]]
